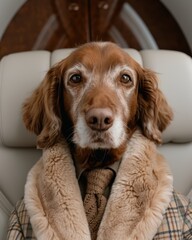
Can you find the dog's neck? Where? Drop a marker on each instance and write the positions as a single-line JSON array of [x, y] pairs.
[[93, 158]]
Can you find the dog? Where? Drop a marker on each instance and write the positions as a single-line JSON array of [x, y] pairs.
[[99, 107], [96, 98]]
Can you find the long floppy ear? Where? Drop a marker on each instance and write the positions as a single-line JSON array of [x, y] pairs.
[[154, 113], [41, 111]]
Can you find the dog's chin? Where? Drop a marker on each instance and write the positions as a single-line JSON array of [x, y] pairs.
[[98, 155]]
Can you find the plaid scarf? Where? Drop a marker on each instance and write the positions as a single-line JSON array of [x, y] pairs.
[[176, 224]]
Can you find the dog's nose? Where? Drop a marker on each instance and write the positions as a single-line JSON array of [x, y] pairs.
[[99, 119]]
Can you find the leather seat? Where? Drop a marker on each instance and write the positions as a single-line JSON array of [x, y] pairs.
[[20, 73]]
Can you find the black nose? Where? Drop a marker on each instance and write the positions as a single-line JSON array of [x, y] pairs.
[[99, 119]]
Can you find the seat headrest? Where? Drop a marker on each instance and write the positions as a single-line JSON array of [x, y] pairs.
[[20, 74]]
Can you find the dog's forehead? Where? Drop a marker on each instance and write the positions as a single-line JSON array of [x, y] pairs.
[[101, 56]]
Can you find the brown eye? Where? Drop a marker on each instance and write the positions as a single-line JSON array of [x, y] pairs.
[[75, 78], [126, 79]]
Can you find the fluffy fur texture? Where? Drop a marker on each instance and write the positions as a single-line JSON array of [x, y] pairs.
[[98, 106], [139, 196]]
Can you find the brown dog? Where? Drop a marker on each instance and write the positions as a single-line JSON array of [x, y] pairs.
[[96, 107], [96, 98]]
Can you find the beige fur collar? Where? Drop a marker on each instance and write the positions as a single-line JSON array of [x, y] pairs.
[[139, 196]]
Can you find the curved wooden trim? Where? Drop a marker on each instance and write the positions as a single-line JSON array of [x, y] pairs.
[[53, 24]]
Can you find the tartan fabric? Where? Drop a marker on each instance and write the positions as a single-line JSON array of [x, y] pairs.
[[177, 221], [19, 224], [176, 224]]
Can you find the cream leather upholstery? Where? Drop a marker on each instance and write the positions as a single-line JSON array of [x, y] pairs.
[[20, 73]]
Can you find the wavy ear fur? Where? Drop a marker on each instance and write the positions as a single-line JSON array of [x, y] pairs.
[[154, 113], [41, 113]]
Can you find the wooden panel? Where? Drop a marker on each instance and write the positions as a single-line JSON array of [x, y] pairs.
[[107, 24], [46, 24], [53, 24], [162, 25]]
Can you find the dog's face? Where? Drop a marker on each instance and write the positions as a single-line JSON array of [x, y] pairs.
[[105, 95], [100, 95]]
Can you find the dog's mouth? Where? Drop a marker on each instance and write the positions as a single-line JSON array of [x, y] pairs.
[[100, 142], [85, 137]]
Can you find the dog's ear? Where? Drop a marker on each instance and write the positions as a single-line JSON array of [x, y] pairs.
[[154, 113], [41, 111]]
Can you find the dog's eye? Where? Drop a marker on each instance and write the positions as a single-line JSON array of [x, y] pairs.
[[75, 78], [126, 79]]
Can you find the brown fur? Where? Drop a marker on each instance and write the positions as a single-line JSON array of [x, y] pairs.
[[42, 113]]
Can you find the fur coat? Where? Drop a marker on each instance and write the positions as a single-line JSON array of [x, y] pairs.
[[141, 205]]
